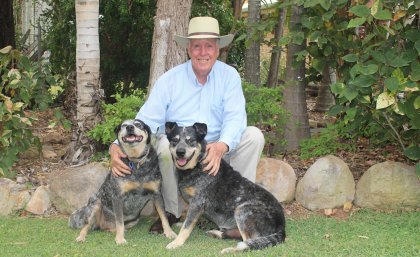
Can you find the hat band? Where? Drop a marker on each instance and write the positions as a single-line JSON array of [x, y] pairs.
[[204, 34]]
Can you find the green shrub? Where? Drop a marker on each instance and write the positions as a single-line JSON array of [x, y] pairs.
[[328, 141], [125, 107], [24, 85]]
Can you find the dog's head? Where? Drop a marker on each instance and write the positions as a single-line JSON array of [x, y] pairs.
[[134, 137], [186, 144]]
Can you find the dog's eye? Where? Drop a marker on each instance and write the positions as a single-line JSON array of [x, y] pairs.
[[137, 124], [123, 125], [174, 141]]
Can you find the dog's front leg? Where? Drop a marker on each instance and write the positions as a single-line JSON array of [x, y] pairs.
[[193, 214], [167, 230], [117, 204]]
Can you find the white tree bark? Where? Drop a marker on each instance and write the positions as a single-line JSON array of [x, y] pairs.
[[87, 80]]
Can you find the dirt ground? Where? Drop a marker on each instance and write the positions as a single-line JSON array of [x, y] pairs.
[[33, 169]]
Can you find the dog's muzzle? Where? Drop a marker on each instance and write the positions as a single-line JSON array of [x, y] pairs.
[[131, 137], [180, 157]]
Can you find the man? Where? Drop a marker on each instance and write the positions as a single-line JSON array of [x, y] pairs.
[[201, 90]]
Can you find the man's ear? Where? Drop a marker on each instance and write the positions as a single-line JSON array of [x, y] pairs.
[[169, 126], [201, 130]]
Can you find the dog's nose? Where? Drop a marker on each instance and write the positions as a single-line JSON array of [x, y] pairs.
[[130, 128], [180, 152]]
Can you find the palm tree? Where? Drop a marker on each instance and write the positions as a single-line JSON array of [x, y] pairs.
[[87, 81]]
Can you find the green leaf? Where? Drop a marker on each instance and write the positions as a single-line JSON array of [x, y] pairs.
[[350, 93], [335, 110], [417, 46], [397, 62], [413, 152], [369, 69], [350, 58], [337, 88], [413, 35], [378, 56], [356, 22], [384, 100], [351, 113], [360, 10], [415, 71], [392, 84], [310, 3], [326, 4], [417, 103], [363, 81], [383, 15]]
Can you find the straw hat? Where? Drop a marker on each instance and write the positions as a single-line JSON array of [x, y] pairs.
[[204, 27]]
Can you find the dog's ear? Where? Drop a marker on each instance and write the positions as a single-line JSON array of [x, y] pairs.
[[169, 126], [201, 130], [117, 129], [149, 132]]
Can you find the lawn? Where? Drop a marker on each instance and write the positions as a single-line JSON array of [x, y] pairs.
[[364, 233]]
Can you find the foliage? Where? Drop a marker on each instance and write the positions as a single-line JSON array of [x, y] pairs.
[[375, 50], [127, 60], [24, 85], [125, 107], [328, 141], [264, 110]]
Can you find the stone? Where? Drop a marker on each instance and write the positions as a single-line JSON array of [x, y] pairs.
[[327, 184], [278, 177], [71, 188], [40, 201], [13, 196], [389, 185]]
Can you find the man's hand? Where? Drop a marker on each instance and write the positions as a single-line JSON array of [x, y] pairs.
[[215, 152], [118, 167]]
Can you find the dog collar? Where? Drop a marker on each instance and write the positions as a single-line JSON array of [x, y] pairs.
[[135, 165]]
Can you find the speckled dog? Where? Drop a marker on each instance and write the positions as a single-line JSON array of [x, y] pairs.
[[240, 208], [119, 201]]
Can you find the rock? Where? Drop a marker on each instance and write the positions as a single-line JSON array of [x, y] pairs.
[[327, 184], [388, 185], [40, 201], [13, 196], [278, 177], [71, 188]]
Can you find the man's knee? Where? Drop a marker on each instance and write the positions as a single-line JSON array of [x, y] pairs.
[[254, 135]]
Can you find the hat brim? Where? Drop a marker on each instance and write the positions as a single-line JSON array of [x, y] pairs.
[[223, 40]]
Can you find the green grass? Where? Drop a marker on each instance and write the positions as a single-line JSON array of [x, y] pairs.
[[364, 233]]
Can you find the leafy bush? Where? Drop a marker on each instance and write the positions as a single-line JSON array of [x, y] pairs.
[[125, 107], [374, 48], [328, 141], [263, 106], [24, 85]]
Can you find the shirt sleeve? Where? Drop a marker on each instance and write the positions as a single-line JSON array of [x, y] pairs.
[[153, 111], [234, 113]]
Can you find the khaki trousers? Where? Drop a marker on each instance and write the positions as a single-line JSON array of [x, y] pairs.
[[244, 159]]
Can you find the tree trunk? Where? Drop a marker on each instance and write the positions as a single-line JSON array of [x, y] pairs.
[[87, 80], [297, 127], [172, 17], [237, 13], [273, 72], [252, 53], [7, 27], [325, 98]]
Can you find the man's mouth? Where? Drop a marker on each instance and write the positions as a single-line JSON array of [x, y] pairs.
[[132, 139]]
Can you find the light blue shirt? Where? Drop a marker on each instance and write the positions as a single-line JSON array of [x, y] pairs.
[[178, 96]]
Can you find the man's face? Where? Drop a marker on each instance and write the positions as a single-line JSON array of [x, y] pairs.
[[203, 54]]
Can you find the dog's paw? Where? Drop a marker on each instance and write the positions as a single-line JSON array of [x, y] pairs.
[[120, 241], [170, 234], [215, 233], [174, 244], [80, 239]]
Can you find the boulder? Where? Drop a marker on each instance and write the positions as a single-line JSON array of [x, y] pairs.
[[40, 201], [71, 188], [13, 196], [278, 177], [327, 184], [388, 185]]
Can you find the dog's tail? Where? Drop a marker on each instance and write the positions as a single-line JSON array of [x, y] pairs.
[[262, 242]]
